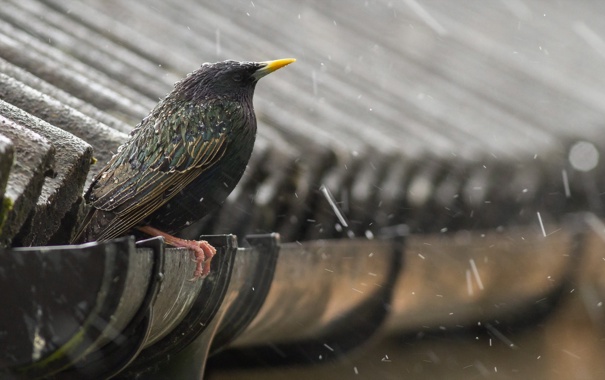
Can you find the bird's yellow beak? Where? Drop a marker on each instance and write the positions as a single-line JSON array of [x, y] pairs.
[[271, 66]]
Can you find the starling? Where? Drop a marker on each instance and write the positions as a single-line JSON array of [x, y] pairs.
[[181, 161]]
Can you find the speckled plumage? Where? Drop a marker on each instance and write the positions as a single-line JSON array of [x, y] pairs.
[[183, 159]]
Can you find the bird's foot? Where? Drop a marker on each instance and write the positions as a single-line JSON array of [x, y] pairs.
[[204, 252]]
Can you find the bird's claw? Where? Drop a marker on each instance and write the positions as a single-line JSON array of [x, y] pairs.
[[204, 253]]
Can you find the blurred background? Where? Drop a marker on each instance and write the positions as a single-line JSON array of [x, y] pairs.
[[473, 128]]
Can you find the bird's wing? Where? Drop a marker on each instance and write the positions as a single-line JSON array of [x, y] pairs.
[[133, 192]]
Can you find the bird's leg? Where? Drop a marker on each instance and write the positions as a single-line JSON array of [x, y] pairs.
[[204, 252]]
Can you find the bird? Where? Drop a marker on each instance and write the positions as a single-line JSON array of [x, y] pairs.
[[181, 161]]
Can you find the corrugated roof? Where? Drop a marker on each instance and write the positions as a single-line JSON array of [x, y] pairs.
[[463, 109]]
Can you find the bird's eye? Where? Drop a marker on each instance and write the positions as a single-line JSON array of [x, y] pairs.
[[238, 77]]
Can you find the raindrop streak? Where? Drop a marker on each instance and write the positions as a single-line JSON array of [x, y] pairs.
[[426, 17], [500, 336], [481, 368], [476, 274], [597, 226], [541, 224], [571, 354], [590, 36], [326, 192], [469, 283], [39, 343], [566, 183], [218, 42]]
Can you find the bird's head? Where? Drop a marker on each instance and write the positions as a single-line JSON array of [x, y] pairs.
[[227, 78]]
